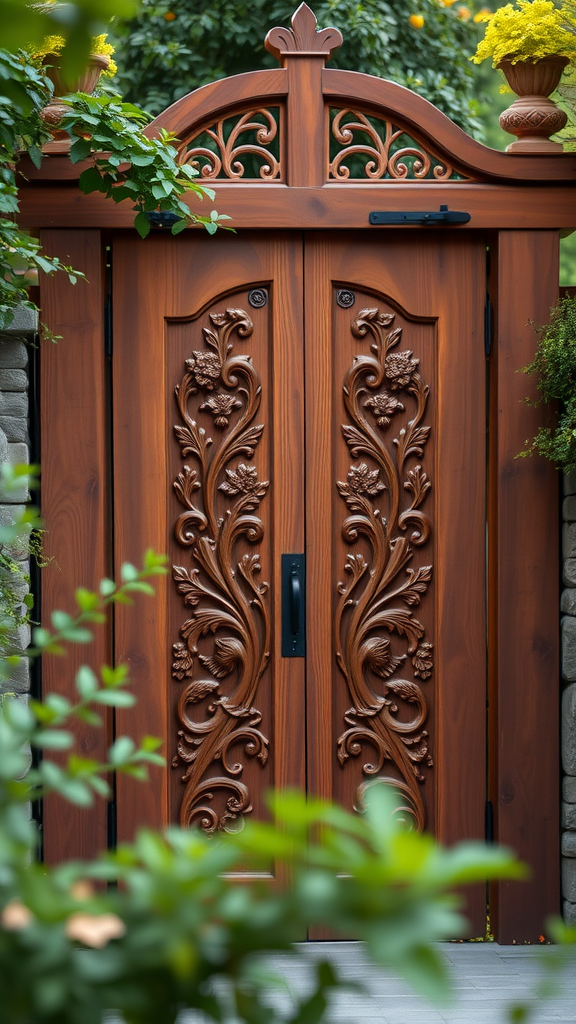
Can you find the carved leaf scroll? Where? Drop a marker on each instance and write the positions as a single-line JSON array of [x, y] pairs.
[[244, 146], [303, 37], [367, 148], [377, 601], [224, 596]]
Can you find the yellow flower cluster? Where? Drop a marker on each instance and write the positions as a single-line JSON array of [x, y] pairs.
[[55, 44], [527, 30]]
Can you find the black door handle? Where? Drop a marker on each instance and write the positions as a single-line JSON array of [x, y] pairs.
[[293, 607], [295, 596]]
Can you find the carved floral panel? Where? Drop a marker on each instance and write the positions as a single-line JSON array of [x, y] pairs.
[[242, 147], [223, 647], [367, 148], [383, 649]]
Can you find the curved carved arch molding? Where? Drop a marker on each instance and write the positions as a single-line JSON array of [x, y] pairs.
[[383, 650], [221, 590]]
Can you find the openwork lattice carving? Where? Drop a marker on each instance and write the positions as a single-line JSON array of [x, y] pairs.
[[243, 146], [372, 149], [225, 597], [378, 598]]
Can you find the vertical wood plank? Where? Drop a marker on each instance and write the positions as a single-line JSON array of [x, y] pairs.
[[524, 577], [74, 499], [306, 122]]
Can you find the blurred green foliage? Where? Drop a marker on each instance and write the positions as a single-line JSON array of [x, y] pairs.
[[172, 46]]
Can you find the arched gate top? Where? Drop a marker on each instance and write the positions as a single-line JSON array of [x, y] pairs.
[[307, 125]]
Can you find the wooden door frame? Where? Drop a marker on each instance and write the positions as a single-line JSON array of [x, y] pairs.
[[521, 202]]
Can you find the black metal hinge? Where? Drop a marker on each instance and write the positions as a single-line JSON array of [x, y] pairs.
[[426, 218]]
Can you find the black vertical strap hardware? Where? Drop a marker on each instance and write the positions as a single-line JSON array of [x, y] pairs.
[[108, 304], [293, 606], [489, 822], [488, 326]]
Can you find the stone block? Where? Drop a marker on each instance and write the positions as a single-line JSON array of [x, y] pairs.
[[19, 679], [568, 537], [569, 730], [15, 427], [568, 601], [568, 647], [25, 321], [17, 454], [13, 354], [15, 403], [569, 572], [569, 789], [3, 446], [8, 515], [569, 879], [569, 913], [17, 380], [569, 844], [568, 816]]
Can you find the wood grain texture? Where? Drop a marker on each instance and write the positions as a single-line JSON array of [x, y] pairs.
[[416, 282], [73, 417], [333, 206], [164, 293], [418, 116], [524, 577]]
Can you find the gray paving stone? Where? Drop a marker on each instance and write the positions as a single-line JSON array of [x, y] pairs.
[[25, 321], [568, 601], [15, 428], [15, 403], [569, 482], [569, 879], [569, 730], [16, 380], [569, 913], [568, 641], [568, 845], [568, 815], [569, 509], [569, 789], [13, 354], [569, 572]]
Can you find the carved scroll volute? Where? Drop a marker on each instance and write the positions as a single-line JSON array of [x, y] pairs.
[[227, 604], [302, 39], [382, 648]]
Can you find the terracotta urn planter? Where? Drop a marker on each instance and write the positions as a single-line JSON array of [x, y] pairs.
[[533, 117], [54, 111]]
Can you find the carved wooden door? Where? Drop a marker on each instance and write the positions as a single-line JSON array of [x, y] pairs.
[[280, 393]]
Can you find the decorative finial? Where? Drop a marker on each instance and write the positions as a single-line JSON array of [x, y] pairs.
[[302, 38]]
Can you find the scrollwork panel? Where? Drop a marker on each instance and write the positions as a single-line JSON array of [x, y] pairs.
[[383, 561], [220, 601]]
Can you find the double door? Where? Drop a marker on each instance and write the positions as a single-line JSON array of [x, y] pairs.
[[319, 396]]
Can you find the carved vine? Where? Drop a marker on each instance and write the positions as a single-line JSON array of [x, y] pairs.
[[225, 598], [377, 601], [383, 160], [231, 145]]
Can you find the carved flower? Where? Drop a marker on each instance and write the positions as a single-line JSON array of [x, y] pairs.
[[379, 658], [205, 368], [384, 406], [243, 480], [95, 930], [221, 405], [183, 663], [362, 480], [228, 651], [422, 661], [400, 368]]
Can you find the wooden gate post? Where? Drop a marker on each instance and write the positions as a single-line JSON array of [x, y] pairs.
[[523, 596]]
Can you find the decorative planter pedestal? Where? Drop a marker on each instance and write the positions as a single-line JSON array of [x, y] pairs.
[[533, 117]]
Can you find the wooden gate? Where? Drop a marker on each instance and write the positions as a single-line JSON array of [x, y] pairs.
[[304, 416]]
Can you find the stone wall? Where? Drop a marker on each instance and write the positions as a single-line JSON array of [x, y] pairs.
[[568, 717], [15, 448]]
